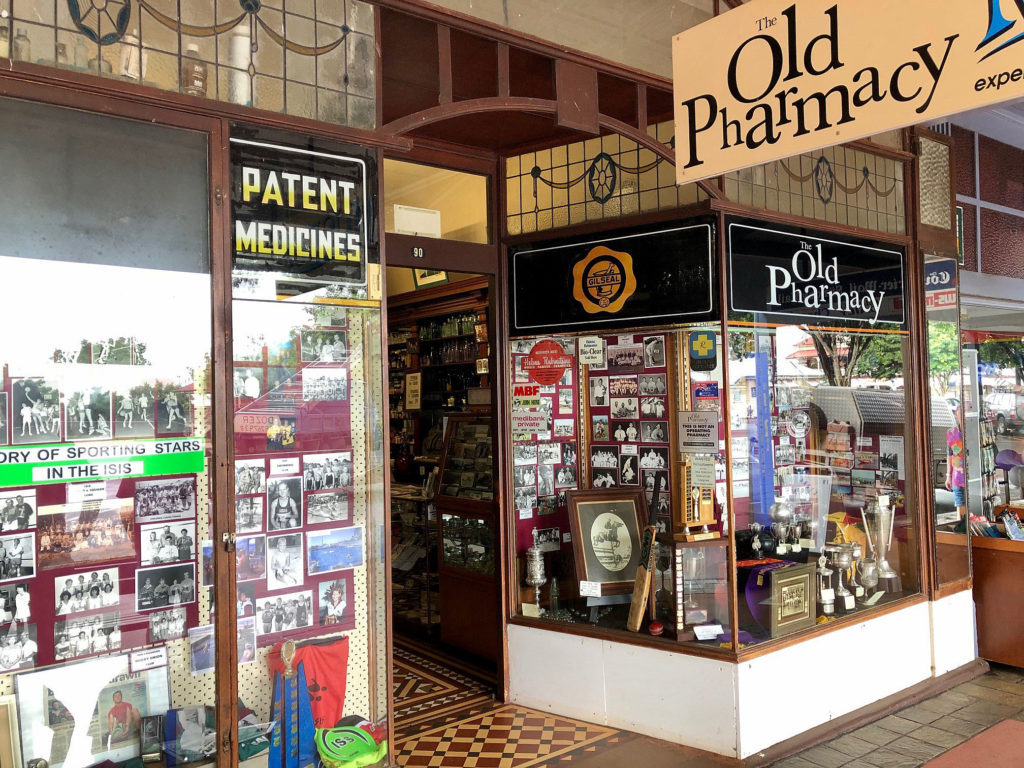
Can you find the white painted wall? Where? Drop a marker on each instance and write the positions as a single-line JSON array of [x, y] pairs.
[[954, 634], [739, 710]]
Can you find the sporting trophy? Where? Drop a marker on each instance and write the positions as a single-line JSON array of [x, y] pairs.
[[841, 557], [881, 523], [858, 554], [826, 595], [535, 576], [781, 515], [291, 743]]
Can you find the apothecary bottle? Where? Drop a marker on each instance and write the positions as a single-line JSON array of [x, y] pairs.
[[193, 72]]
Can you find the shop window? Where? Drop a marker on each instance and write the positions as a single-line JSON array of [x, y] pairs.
[[315, 60], [435, 202]]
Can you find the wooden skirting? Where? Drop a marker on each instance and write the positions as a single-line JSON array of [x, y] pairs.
[[866, 715]]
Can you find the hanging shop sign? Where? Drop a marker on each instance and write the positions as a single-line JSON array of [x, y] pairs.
[[38, 464], [779, 274], [298, 211], [771, 79], [620, 281]]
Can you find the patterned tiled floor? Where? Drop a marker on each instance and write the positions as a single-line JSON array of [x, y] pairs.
[[915, 735]]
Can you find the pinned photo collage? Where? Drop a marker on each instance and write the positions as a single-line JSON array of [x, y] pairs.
[[324, 354], [546, 464], [629, 418]]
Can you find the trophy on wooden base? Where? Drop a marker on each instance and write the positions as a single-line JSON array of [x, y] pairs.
[[696, 507], [882, 522]]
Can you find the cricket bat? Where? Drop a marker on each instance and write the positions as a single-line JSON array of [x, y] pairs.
[[642, 583]]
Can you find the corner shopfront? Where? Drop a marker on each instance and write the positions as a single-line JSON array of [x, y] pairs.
[[549, 665]]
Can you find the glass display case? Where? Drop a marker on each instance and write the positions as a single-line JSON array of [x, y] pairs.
[[467, 543], [467, 469]]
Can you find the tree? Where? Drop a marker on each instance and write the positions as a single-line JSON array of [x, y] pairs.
[[943, 355], [839, 354], [1005, 354], [882, 357]]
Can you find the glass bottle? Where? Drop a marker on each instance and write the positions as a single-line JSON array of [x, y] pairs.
[[81, 53], [193, 72], [21, 47], [62, 55]]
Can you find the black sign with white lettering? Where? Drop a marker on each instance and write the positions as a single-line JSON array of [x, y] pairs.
[[786, 275], [620, 280]]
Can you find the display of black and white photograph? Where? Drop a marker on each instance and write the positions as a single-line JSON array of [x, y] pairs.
[[523, 477], [625, 431], [629, 472], [598, 391], [248, 514], [5, 420], [625, 408], [88, 414], [165, 499], [173, 410], [35, 412], [785, 454], [604, 456], [545, 480], [250, 476], [324, 346], [327, 507], [524, 453], [564, 427], [15, 604], [565, 477], [167, 625], [653, 384], [165, 586], [98, 633], [134, 412], [86, 532], [606, 537], [547, 539], [167, 543], [17, 510], [652, 407], [250, 557], [248, 382], [654, 480], [626, 358], [654, 432], [18, 649], [324, 384], [623, 386], [86, 591], [335, 549], [653, 458], [17, 556], [284, 503], [654, 351], [282, 613], [525, 498], [606, 478], [285, 561], [549, 453], [322, 471]]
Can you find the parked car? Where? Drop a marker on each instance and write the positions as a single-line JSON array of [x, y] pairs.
[[1006, 411]]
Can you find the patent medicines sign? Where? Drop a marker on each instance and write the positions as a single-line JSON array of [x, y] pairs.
[[33, 465], [772, 79]]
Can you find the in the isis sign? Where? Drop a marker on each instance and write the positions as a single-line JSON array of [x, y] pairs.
[[787, 276], [772, 79]]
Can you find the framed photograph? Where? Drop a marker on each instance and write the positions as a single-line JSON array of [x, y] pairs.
[[165, 586], [165, 499], [88, 414], [322, 471], [248, 514], [81, 636], [284, 503], [97, 704], [167, 542], [167, 625], [333, 598], [334, 550], [424, 278], [201, 653], [286, 562], [606, 529], [250, 557], [85, 533], [281, 432], [329, 384], [35, 412], [17, 510], [250, 476], [5, 423], [173, 410], [323, 346], [86, 592], [135, 411], [793, 599], [283, 613], [17, 556], [151, 738]]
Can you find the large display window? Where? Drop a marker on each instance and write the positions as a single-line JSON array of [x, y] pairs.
[[125, 522], [729, 482]]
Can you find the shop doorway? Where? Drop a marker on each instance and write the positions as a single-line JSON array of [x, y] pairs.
[[445, 521]]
